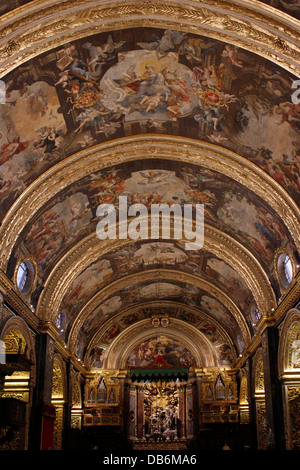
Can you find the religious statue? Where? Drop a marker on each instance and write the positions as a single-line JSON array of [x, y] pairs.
[[163, 425]]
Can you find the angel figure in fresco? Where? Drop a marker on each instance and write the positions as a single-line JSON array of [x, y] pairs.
[[162, 46], [290, 113], [153, 124], [153, 177], [211, 76], [176, 84], [64, 79], [12, 147], [49, 138], [292, 5], [151, 102], [231, 53], [101, 54]]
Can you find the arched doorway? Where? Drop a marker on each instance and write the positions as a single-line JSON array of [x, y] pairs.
[[58, 399], [289, 366], [17, 380]]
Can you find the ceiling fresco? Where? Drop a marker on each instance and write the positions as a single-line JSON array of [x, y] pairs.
[[184, 293], [146, 81], [209, 327], [174, 353], [291, 7], [71, 215], [155, 82], [139, 256]]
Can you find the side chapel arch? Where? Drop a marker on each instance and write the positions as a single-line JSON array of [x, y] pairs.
[[289, 374]]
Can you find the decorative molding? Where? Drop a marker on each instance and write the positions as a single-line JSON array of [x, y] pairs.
[[41, 26], [96, 339], [18, 304], [125, 150], [216, 243], [160, 274], [202, 350]]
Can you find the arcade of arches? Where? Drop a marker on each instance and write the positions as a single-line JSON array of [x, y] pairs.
[[137, 341]]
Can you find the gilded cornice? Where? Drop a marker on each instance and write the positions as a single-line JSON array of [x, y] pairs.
[[41, 26], [158, 275], [16, 302], [128, 149]]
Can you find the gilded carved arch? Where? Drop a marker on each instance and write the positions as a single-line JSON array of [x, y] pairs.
[[118, 352], [289, 344], [79, 258], [256, 27], [161, 274], [151, 147], [163, 308]]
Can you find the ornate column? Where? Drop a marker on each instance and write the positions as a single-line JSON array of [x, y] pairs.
[[182, 409], [136, 412], [41, 400], [70, 373], [2, 344], [251, 399], [273, 392]]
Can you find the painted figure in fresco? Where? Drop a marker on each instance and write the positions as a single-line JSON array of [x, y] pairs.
[[12, 147], [295, 359], [168, 42], [230, 52], [97, 357], [289, 112], [49, 140], [100, 55]]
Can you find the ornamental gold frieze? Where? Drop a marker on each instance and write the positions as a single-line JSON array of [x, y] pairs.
[[215, 242], [158, 275], [128, 149], [37, 31]]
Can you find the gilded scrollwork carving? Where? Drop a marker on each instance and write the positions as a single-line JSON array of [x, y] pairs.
[[259, 30]]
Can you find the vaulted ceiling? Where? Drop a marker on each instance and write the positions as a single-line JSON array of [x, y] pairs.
[[163, 102]]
